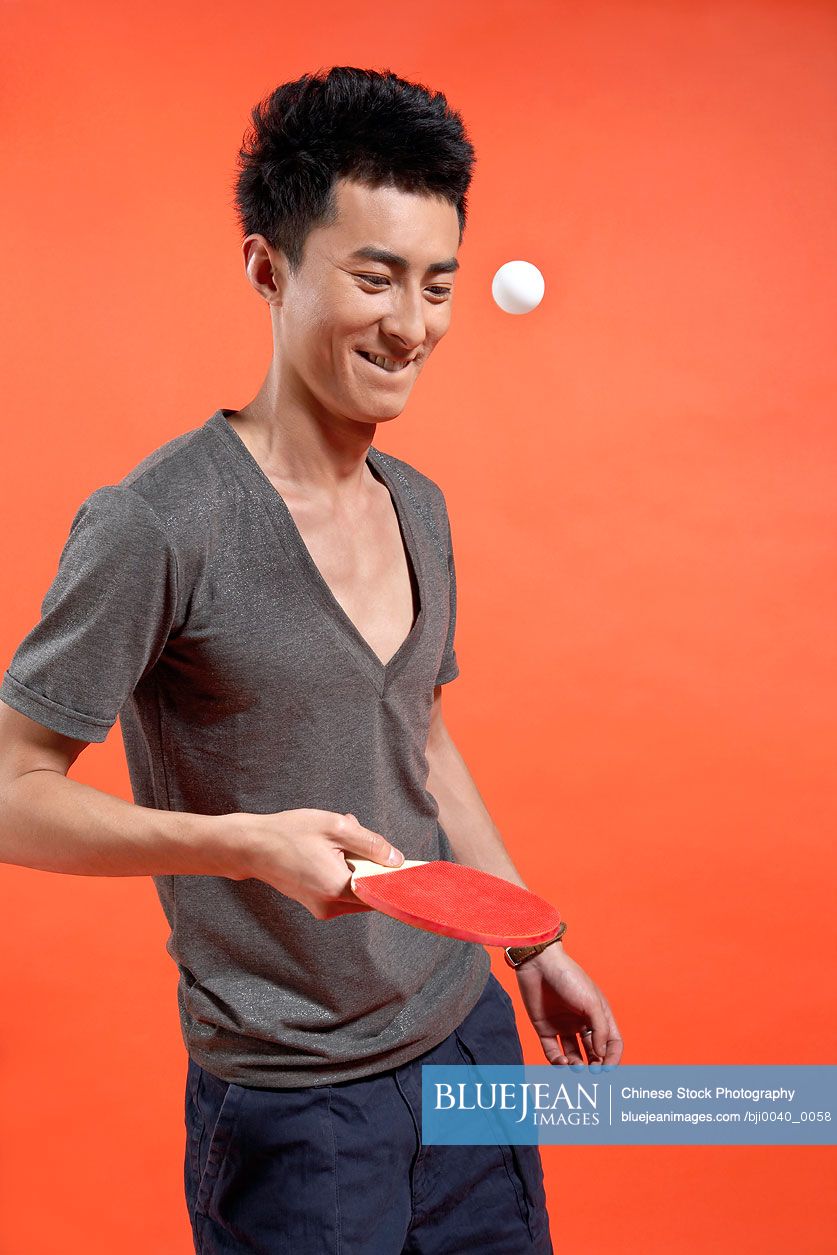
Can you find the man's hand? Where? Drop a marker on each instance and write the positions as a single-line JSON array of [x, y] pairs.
[[561, 999], [301, 853]]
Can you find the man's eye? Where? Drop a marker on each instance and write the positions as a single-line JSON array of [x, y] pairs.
[[379, 280]]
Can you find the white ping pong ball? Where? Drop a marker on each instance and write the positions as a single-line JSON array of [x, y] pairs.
[[518, 287]]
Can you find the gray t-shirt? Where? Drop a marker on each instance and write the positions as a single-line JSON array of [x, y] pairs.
[[187, 604]]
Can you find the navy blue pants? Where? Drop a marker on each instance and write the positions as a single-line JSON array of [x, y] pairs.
[[340, 1169]]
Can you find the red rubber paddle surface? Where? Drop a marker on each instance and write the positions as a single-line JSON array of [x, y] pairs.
[[459, 901]]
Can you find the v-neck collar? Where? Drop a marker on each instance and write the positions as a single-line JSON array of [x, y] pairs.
[[378, 673]]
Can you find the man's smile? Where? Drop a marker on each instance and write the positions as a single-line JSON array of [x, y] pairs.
[[384, 363]]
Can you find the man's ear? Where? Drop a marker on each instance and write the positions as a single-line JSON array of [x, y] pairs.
[[266, 269]]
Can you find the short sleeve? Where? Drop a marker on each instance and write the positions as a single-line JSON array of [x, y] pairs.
[[449, 667], [104, 620]]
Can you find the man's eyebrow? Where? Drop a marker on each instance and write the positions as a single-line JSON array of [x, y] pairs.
[[383, 255]]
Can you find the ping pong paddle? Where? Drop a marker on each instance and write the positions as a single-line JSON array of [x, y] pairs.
[[455, 900]]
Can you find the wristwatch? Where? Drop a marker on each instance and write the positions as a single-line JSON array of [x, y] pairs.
[[515, 955]]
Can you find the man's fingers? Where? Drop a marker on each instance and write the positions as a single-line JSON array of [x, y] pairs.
[[349, 900], [593, 1055], [615, 1046], [350, 906], [595, 1043], [368, 844], [571, 1050], [552, 1050]]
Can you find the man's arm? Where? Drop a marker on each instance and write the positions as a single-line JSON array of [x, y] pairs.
[[559, 996], [51, 823], [462, 812]]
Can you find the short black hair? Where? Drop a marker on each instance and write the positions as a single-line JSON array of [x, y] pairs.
[[369, 126]]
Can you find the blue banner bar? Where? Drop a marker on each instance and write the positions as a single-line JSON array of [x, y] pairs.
[[632, 1104]]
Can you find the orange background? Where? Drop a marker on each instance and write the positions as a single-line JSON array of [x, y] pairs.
[[641, 482]]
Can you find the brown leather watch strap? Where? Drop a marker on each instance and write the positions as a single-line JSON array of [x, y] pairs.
[[515, 955]]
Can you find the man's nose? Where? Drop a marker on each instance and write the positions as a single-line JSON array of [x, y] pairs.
[[405, 321]]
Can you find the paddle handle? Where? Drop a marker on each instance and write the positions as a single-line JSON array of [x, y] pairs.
[[365, 866]]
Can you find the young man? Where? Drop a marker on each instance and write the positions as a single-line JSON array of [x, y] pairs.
[[268, 604]]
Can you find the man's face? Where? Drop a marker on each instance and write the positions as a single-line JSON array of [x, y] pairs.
[[340, 305]]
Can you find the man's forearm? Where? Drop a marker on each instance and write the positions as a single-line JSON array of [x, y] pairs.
[[52, 823], [463, 814]]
